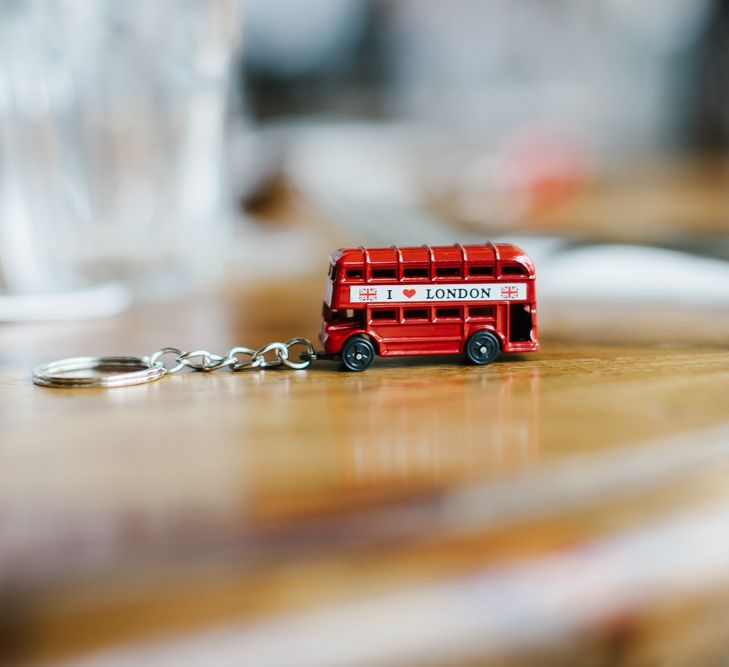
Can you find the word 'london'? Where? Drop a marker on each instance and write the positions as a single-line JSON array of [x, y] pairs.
[[440, 293], [425, 293]]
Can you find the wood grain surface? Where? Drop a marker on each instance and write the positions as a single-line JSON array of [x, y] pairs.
[[568, 506]]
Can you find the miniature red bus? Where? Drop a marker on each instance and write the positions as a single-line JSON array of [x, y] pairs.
[[477, 300]]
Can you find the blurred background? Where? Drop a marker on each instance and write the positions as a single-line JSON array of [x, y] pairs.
[[141, 163], [177, 172]]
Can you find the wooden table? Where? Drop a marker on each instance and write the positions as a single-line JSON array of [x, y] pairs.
[[566, 506]]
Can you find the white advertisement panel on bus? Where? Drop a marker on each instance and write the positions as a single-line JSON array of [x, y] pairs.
[[430, 293]]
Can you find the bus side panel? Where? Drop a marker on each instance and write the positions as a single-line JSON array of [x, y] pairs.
[[419, 338]]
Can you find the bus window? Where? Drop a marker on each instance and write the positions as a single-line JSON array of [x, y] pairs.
[[415, 314], [345, 315], [354, 273], [513, 271], [447, 313], [415, 272], [383, 274], [333, 272], [480, 312], [448, 272], [481, 271], [380, 315]]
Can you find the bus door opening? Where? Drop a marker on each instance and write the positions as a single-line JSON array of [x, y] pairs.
[[520, 322]]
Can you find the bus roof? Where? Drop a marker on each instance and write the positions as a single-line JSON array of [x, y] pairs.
[[486, 253]]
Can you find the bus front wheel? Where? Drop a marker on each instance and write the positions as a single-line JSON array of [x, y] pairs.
[[482, 348], [358, 353]]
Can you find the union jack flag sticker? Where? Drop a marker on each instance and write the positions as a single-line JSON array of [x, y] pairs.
[[509, 292], [367, 294]]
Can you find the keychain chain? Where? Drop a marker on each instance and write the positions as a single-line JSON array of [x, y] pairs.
[[210, 361], [124, 371]]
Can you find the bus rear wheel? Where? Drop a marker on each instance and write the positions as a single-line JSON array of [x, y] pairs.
[[482, 348], [358, 353]]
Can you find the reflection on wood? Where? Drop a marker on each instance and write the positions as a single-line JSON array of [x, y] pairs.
[[274, 503]]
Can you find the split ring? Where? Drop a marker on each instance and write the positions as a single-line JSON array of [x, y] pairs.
[[126, 371]]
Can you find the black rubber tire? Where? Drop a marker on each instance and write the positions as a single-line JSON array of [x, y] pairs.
[[358, 353], [482, 348]]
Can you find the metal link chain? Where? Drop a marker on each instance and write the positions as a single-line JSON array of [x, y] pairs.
[[125, 371], [237, 359]]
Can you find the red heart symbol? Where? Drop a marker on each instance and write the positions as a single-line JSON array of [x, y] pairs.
[[409, 293]]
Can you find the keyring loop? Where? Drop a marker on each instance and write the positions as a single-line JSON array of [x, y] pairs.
[[304, 363], [210, 360], [239, 365], [133, 370], [282, 353], [154, 359]]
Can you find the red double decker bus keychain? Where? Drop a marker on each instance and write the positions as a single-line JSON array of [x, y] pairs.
[[473, 300]]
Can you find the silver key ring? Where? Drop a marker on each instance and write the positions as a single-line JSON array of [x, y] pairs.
[[127, 371], [124, 371]]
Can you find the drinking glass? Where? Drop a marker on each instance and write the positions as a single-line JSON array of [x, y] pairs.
[[112, 173]]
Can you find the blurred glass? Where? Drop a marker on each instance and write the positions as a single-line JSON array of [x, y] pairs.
[[111, 142]]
